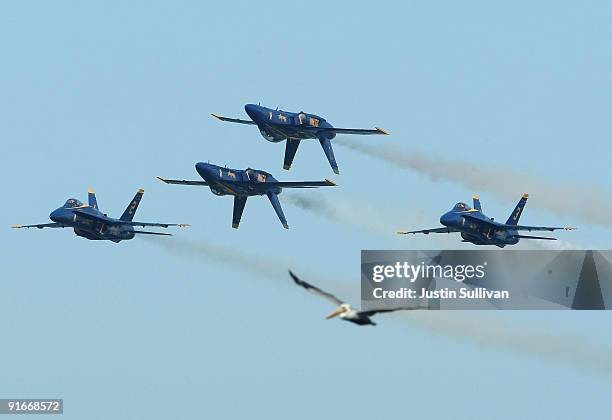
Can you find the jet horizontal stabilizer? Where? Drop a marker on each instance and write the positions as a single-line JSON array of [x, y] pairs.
[[233, 120], [182, 181]]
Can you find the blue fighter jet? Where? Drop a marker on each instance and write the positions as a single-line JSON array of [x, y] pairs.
[[90, 223], [276, 125], [245, 183], [479, 229]]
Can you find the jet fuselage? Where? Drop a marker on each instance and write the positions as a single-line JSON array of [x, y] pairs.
[[276, 125], [478, 233], [102, 228], [236, 182]]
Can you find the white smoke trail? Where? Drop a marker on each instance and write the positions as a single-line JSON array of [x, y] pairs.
[[570, 350], [378, 220], [201, 251], [555, 196]]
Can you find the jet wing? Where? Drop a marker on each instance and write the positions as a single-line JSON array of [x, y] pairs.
[[125, 222], [234, 120], [362, 131], [40, 226], [144, 224], [534, 237], [182, 181], [298, 184], [535, 228], [428, 231]]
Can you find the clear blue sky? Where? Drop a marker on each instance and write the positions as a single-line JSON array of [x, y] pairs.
[[110, 96]]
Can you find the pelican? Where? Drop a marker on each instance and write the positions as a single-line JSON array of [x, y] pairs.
[[344, 310]]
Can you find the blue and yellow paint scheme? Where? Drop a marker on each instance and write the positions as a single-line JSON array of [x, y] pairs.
[[244, 183], [276, 125], [475, 227], [90, 223]]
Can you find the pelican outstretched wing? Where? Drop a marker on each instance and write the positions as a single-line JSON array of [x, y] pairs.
[[314, 289], [378, 311]]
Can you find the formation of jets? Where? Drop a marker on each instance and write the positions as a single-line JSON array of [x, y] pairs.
[[276, 126]]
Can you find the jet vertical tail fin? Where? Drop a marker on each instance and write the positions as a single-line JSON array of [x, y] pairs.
[[476, 201], [329, 152], [518, 210], [239, 203], [290, 149], [129, 212], [277, 208], [91, 196]]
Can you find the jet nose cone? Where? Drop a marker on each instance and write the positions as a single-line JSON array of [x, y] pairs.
[[205, 170], [56, 215], [251, 110], [447, 219]]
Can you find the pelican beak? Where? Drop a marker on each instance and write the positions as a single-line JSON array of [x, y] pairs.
[[337, 312]]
